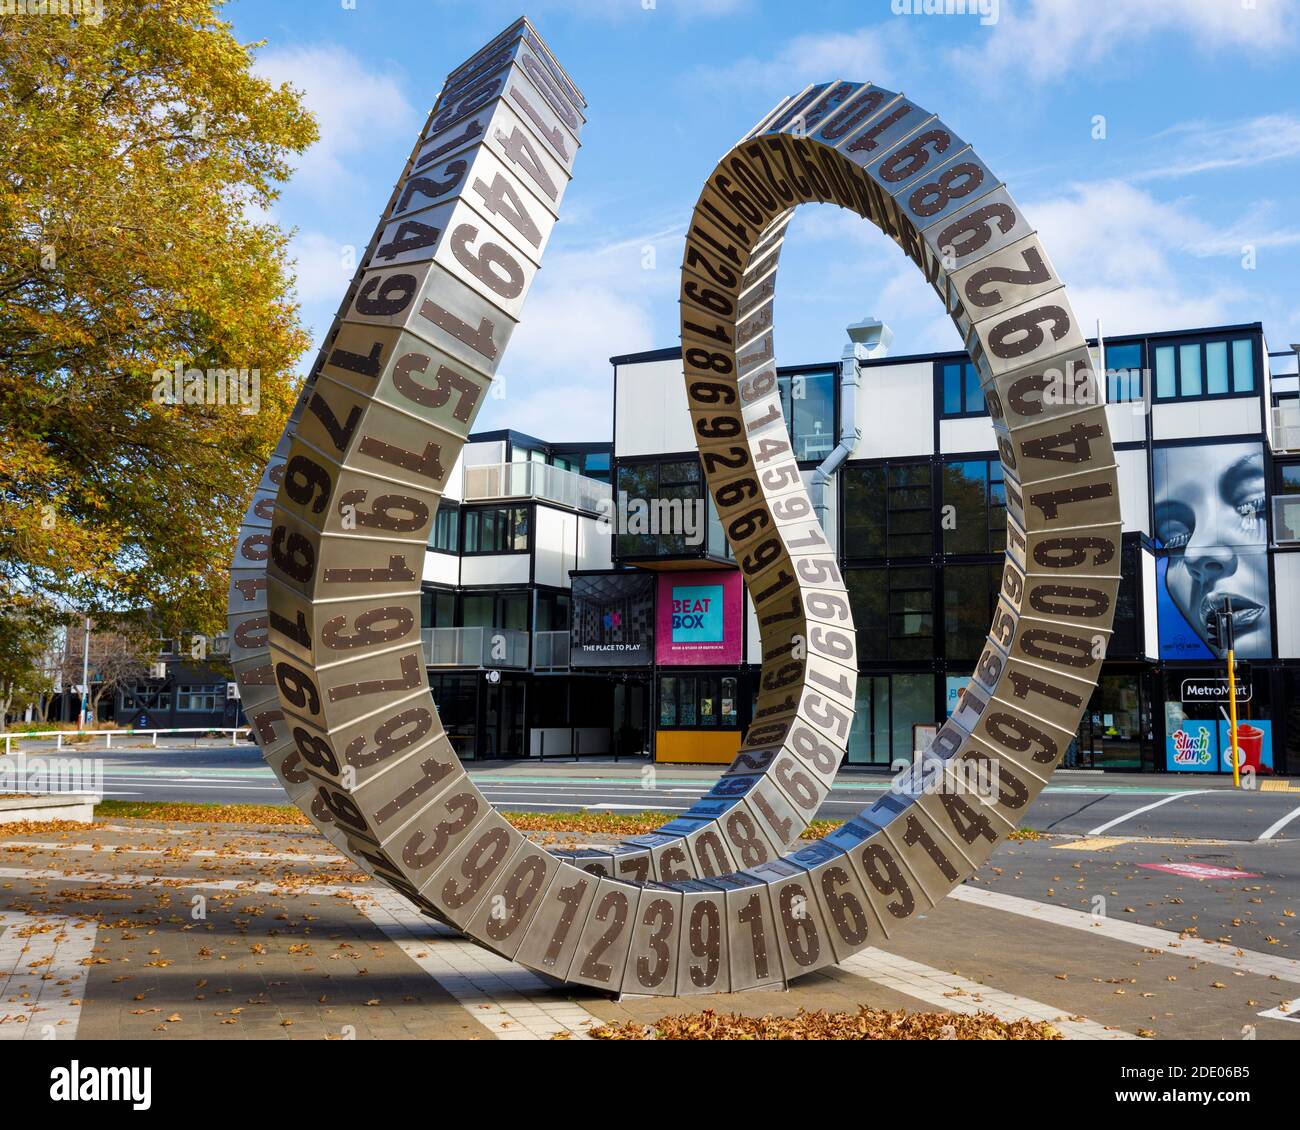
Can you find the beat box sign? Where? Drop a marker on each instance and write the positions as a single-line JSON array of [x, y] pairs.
[[1213, 690], [697, 613]]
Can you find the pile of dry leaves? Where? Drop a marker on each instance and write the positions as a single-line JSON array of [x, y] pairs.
[[865, 1024]]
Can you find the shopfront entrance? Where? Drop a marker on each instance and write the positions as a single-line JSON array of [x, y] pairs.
[[501, 729], [631, 725], [1116, 731]]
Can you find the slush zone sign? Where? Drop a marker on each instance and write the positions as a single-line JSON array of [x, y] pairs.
[[697, 614]]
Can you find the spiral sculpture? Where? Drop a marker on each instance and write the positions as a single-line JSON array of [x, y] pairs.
[[325, 591]]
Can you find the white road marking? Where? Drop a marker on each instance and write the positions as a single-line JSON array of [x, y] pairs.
[[1273, 829], [510, 1001], [1145, 808], [1149, 937], [33, 1003], [954, 993], [1287, 1010], [634, 807]]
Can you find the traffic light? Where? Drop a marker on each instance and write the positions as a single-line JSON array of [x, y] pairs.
[[1222, 634]]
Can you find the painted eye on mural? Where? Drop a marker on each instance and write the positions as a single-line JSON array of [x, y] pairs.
[[1252, 513], [1175, 524]]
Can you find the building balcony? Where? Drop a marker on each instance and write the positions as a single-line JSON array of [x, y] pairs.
[[480, 648], [494, 482], [501, 648], [551, 651]]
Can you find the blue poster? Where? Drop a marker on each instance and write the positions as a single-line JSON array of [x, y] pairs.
[[697, 614], [1192, 748], [1202, 746], [1254, 739]]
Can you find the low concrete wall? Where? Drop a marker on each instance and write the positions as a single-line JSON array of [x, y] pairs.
[[21, 807]]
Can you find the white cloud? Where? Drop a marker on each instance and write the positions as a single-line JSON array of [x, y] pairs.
[[323, 267], [590, 302], [1046, 39], [1197, 147], [1132, 260], [356, 109], [876, 54]]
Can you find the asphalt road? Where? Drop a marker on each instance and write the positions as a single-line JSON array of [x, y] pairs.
[[1157, 806]]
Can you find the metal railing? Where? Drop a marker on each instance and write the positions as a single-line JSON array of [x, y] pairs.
[[475, 647], [551, 651], [536, 480], [109, 735]]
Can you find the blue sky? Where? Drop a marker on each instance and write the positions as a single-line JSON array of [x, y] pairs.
[[1185, 213]]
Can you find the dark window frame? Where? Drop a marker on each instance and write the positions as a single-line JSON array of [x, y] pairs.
[[471, 514], [891, 489], [696, 676], [892, 614], [996, 534], [1134, 395], [448, 514], [966, 373], [1203, 340]]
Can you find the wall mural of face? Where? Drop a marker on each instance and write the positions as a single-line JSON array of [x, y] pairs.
[[1210, 514]]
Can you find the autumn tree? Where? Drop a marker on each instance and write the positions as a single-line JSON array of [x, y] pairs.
[[28, 630], [136, 154]]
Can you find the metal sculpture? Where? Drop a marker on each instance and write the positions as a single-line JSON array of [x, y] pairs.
[[325, 590]]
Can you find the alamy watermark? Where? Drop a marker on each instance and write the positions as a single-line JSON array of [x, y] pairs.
[[179, 385], [92, 11], [654, 517], [986, 10], [22, 774]]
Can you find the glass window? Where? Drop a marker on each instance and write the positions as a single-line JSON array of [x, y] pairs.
[[667, 701], [552, 612], [913, 705], [888, 706], [1189, 370], [1124, 373], [952, 390], [502, 529], [445, 536], [1216, 367], [969, 594], [1205, 368], [1165, 376], [893, 612], [437, 609], [962, 394], [199, 698], [662, 509], [888, 511], [811, 413], [698, 700], [1243, 365], [143, 696], [477, 610], [974, 516]]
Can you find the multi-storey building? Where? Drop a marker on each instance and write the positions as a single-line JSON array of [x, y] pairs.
[[662, 648]]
